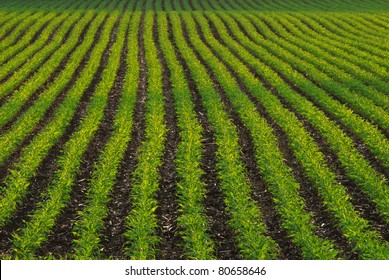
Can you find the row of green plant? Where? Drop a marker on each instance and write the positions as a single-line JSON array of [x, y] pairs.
[[9, 21], [20, 96], [331, 67], [22, 43], [367, 132], [26, 30], [355, 165], [16, 184], [337, 47], [88, 229], [328, 77], [285, 190], [301, 6], [9, 16], [31, 116], [190, 188], [372, 136], [318, 45], [21, 36], [361, 49], [356, 30], [40, 46], [237, 5], [304, 6], [57, 196], [313, 162], [365, 25], [245, 218], [142, 220], [377, 19]]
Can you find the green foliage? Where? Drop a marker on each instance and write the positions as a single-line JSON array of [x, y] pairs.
[[299, 66], [88, 229], [43, 219]]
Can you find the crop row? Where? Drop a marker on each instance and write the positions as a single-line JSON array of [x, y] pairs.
[[356, 166], [317, 44], [245, 215], [330, 71], [270, 160], [310, 70], [190, 189], [313, 163], [40, 146], [88, 229], [38, 46]]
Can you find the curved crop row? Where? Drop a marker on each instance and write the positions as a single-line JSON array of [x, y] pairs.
[[313, 162], [40, 45], [270, 160], [27, 121], [24, 32], [357, 31], [362, 49], [10, 21], [331, 69], [338, 47], [245, 215], [318, 45], [30, 237], [87, 229], [28, 53], [190, 188], [17, 182], [142, 221], [20, 96], [318, 72], [367, 24], [356, 167], [366, 131]]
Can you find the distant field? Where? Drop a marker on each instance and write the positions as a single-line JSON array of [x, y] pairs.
[[194, 129]]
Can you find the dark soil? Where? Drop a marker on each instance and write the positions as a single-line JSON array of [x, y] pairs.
[[60, 240], [50, 38], [113, 240], [120, 204], [218, 218], [21, 35], [359, 145], [43, 176], [47, 170], [260, 193], [369, 211], [167, 212]]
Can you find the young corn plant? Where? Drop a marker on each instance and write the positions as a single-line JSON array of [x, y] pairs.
[[35, 232]]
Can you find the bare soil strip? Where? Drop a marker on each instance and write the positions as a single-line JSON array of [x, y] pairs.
[[361, 202], [167, 211], [120, 204], [221, 231], [325, 225], [60, 241], [260, 194]]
